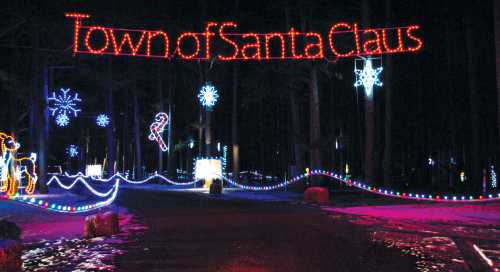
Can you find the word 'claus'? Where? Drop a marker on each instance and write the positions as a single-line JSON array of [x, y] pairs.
[[220, 41]]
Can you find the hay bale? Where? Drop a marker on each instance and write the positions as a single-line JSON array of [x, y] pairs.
[[102, 224], [215, 188], [319, 195], [10, 255]]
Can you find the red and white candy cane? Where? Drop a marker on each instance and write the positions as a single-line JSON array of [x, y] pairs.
[[156, 128]]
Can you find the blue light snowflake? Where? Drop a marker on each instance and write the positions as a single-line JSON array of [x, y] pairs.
[[368, 77], [208, 96], [62, 120], [64, 103], [72, 151], [102, 120]]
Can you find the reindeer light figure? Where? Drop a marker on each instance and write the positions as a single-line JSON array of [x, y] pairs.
[[13, 169]]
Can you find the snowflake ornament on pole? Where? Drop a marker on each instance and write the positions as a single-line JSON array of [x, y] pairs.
[[102, 120], [368, 77], [63, 105], [208, 96], [62, 120]]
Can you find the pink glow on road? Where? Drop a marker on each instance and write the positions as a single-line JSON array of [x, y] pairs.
[[470, 214]]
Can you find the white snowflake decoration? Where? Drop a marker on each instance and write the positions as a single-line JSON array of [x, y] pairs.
[[493, 177], [208, 96], [368, 77], [62, 120], [64, 103], [102, 120]]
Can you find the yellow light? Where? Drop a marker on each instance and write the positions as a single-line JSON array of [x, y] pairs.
[[208, 169]]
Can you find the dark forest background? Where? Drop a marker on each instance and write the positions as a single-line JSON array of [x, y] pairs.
[[283, 116]]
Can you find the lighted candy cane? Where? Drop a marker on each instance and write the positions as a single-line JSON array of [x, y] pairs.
[[156, 128]]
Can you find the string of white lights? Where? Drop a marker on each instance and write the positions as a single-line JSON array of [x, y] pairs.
[[124, 178], [75, 181], [365, 187], [65, 208]]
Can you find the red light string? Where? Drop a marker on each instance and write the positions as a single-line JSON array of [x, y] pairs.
[[244, 46]]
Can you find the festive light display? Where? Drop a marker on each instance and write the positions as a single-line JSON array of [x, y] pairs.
[[344, 40], [338, 177], [76, 181], [156, 129], [360, 185], [368, 77], [462, 177], [125, 179], [207, 168], [14, 170], [93, 170], [66, 208], [493, 177], [224, 158], [431, 161], [72, 151], [63, 105], [62, 120], [208, 96], [102, 120]]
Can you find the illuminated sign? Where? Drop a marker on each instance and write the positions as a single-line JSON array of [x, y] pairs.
[[93, 170], [207, 169], [221, 41]]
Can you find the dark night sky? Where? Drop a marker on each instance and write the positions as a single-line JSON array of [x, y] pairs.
[[430, 97]]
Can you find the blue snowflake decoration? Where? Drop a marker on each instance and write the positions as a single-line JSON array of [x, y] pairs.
[[72, 151], [208, 96], [102, 120], [62, 120], [368, 77], [64, 103]]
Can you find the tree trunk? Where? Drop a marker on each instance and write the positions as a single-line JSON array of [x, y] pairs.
[[160, 100], [369, 110], [234, 126], [454, 149], [43, 129], [35, 93], [296, 133], [39, 138], [170, 125], [315, 121], [369, 138], [475, 175], [387, 161], [200, 119], [109, 129], [208, 133], [496, 10], [137, 134]]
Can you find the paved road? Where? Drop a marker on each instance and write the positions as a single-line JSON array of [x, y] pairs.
[[194, 232]]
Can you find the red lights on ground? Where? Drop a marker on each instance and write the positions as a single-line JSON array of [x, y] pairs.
[[344, 40]]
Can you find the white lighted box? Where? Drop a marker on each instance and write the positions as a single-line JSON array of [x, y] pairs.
[[93, 170], [208, 169]]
